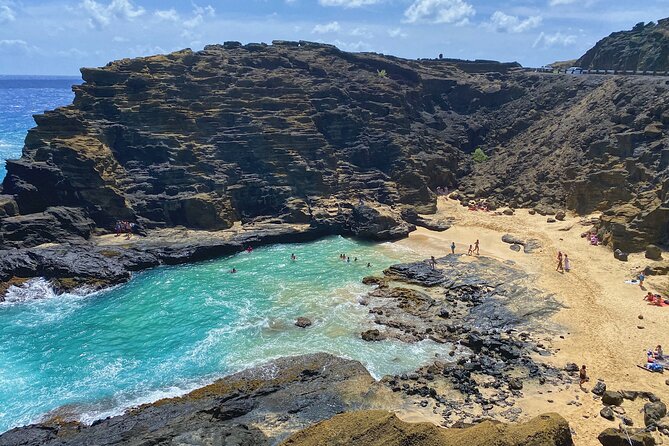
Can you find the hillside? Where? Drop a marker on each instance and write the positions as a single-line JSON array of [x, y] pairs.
[[303, 133], [643, 48]]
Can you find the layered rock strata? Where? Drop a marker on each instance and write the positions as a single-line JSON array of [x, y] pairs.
[[303, 133]]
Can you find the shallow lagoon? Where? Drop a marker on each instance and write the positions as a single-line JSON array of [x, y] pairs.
[[172, 329]]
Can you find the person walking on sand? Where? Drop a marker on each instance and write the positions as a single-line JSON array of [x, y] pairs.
[[559, 267], [476, 247], [583, 376], [567, 264], [470, 251], [452, 247]]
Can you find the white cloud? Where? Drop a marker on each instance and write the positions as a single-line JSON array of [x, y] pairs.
[[204, 10], [7, 14], [101, 15], [556, 39], [561, 2], [16, 46], [326, 28], [502, 22], [362, 32], [397, 32], [439, 11], [348, 3], [168, 15], [352, 46]]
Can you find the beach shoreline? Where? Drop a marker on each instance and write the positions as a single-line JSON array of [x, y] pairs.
[[601, 314]]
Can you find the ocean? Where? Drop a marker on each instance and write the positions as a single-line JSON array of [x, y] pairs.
[[21, 97]]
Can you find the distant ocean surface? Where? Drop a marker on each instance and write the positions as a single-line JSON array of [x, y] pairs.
[[21, 97]]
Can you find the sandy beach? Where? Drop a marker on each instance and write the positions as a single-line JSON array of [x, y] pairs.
[[600, 324]]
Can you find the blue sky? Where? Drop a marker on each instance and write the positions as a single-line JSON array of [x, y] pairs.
[[59, 36]]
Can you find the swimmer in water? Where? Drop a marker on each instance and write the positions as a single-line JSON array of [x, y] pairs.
[[233, 270], [293, 257]]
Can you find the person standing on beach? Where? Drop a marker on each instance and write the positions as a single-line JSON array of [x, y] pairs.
[[470, 251], [567, 264], [452, 247], [642, 277], [583, 376], [433, 262], [559, 262], [476, 247]]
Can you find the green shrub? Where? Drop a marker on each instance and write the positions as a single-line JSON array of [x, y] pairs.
[[382, 73], [479, 156]]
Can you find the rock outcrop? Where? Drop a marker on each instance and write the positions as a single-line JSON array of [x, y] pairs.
[[356, 144], [379, 428], [266, 404], [643, 48]]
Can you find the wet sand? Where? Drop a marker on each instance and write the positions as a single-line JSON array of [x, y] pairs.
[[600, 319]]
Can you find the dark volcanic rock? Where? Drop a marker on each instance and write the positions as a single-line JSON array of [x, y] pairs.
[[303, 322], [644, 48], [612, 398], [617, 437], [234, 410], [419, 273], [653, 252], [653, 412]]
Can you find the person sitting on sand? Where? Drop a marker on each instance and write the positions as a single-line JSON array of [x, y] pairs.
[[471, 250], [650, 297], [583, 376], [658, 353], [452, 247]]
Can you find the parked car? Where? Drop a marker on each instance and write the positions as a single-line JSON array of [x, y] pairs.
[[575, 70]]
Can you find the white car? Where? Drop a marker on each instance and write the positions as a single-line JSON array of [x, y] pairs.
[[574, 70]]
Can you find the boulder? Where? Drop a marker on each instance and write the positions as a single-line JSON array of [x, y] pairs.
[[617, 437], [373, 335], [599, 388], [515, 384], [550, 220], [612, 398], [571, 367], [303, 322], [516, 248], [507, 211], [619, 255], [560, 215], [607, 413], [653, 413], [653, 252]]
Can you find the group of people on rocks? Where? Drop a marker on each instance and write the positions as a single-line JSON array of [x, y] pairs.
[[442, 190], [124, 227], [563, 263]]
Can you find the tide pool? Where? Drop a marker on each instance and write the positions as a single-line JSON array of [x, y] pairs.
[[173, 329]]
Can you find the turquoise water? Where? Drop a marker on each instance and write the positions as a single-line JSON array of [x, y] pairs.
[[172, 329], [20, 98]]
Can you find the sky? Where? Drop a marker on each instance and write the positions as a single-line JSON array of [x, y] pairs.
[[57, 37]]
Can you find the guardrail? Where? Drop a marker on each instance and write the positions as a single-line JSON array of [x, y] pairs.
[[583, 71]]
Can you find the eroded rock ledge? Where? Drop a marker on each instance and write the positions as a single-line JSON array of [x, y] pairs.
[[266, 404]]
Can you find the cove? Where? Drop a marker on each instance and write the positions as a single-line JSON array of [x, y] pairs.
[[172, 329]]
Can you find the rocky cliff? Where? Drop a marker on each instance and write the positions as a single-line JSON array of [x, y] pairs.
[[643, 48], [303, 133]]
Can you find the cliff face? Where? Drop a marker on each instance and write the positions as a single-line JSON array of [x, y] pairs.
[[300, 132], [643, 48]]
